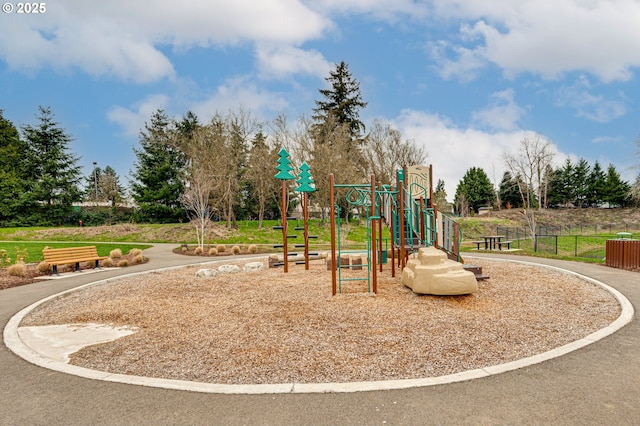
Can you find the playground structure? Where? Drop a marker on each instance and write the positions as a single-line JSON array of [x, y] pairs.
[[431, 272], [413, 222], [409, 214], [305, 185]]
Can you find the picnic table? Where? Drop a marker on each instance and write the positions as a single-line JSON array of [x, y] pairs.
[[492, 242]]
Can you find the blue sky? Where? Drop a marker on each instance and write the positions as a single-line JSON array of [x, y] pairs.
[[466, 79]]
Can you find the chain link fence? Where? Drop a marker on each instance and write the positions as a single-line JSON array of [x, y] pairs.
[[556, 240]]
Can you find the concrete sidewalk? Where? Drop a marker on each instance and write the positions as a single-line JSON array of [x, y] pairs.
[[597, 384]]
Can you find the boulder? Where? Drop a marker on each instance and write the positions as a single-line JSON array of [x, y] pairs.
[[433, 273], [229, 269], [206, 273], [253, 266]]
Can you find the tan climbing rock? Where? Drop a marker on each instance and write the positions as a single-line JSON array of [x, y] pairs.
[[431, 272]]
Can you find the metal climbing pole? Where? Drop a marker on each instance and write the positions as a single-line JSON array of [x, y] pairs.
[[358, 195]]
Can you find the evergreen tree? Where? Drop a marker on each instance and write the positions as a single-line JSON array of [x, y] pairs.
[[110, 187], [580, 183], [92, 186], [55, 174], [13, 173], [476, 189], [341, 104], [509, 194], [440, 196], [616, 190], [562, 185], [158, 178], [596, 186]]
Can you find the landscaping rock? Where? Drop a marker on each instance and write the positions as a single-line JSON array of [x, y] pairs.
[[229, 269], [253, 266], [206, 273]]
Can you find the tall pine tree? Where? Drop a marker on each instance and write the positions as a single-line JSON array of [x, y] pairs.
[[13, 172], [55, 174], [341, 103], [509, 193], [476, 189], [616, 190], [158, 178]]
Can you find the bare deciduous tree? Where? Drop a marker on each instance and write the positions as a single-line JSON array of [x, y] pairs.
[[195, 200], [385, 152], [530, 165], [262, 163]]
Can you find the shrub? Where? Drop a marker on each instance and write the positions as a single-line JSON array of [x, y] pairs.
[[213, 251], [235, 249], [115, 254], [123, 263], [198, 250], [107, 263], [253, 249], [221, 248], [135, 252], [43, 267], [17, 270], [184, 249], [138, 259]]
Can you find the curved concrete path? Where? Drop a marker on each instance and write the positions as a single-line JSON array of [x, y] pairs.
[[598, 384]]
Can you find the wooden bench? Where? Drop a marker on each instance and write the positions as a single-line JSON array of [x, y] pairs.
[[477, 271], [478, 243], [501, 243], [63, 256]]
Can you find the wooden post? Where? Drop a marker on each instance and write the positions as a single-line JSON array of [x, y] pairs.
[[374, 248], [430, 186], [402, 224], [284, 225], [332, 218], [305, 217], [380, 206], [422, 233], [393, 211]]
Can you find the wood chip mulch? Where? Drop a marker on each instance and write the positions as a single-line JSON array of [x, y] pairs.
[[271, 327]]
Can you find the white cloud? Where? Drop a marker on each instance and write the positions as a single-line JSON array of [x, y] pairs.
[[240, 91], [545, 37], [285, 61], [124, 38], [607, 139], [132, 119], [453, 151], [587, 105], [502, 114], [381, 9]]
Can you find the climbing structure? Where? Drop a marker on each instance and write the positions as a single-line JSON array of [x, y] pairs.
[[407, 211]]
